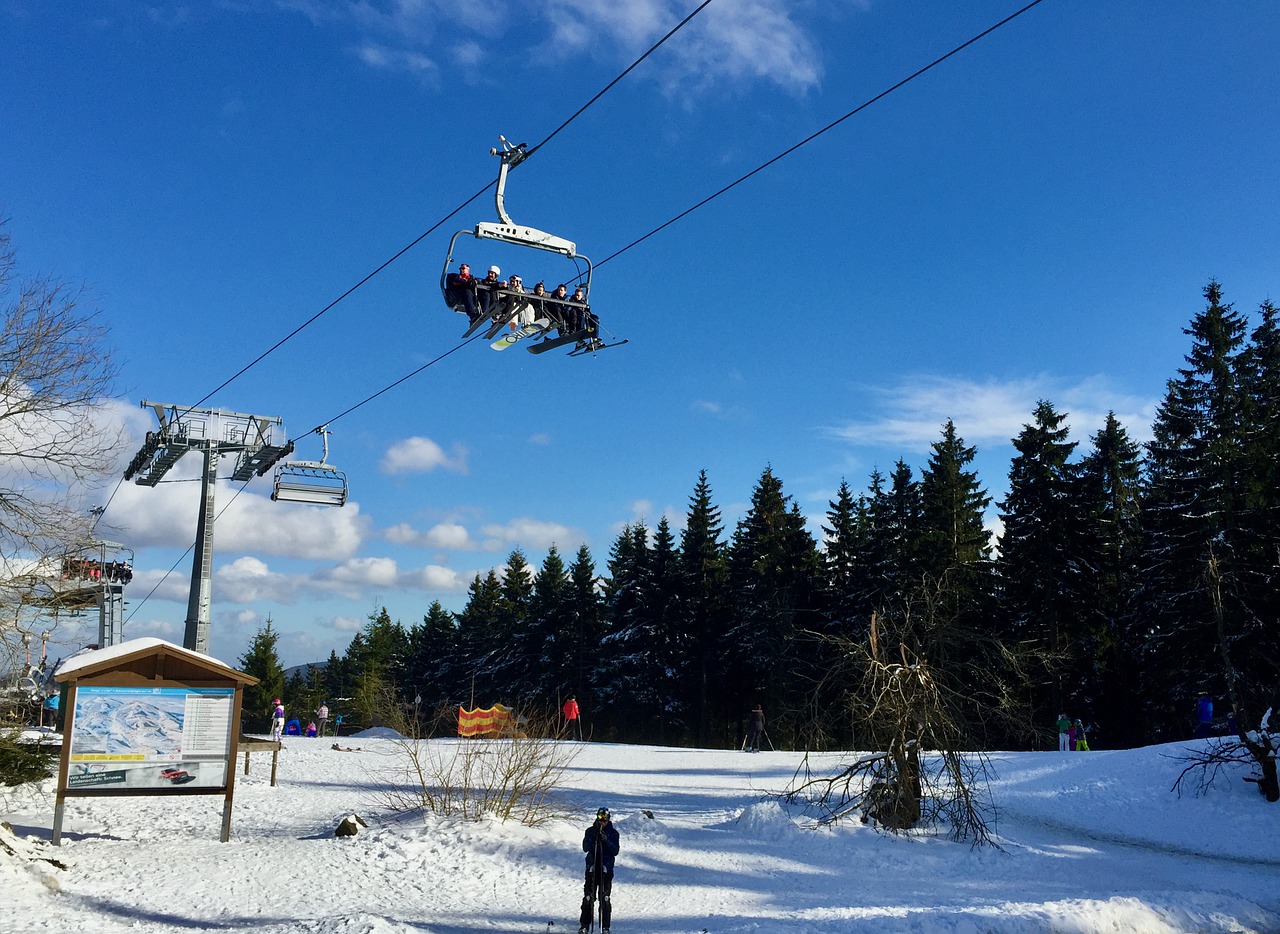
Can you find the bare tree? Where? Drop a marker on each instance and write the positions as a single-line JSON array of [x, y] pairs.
[[918, 688], [56, 372]]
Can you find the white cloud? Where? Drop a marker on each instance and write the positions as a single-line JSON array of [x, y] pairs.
[[420, 455], [446, 535], [375, 572], [385, 58], [434, 578], [991, 412], [247, 580], [728, 43], [348, 623], [529, 534]]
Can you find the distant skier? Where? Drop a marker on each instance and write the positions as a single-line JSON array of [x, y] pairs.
[[1204, 717], [600, 843], [277, 721], [755, 729], [1064, 733], [572, 717], [322, 718]]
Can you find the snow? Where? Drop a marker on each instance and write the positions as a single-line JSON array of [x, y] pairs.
[[85, 658], [1090, 842]]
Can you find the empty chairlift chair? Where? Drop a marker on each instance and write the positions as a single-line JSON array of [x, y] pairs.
[[312, 482]]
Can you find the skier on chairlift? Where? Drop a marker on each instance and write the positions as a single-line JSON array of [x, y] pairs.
[[460, 289]]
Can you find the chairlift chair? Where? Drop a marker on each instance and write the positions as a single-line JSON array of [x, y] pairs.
[[507, 231], [314, 482]]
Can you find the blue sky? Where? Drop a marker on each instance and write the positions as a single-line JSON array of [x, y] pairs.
[[1035, 218]]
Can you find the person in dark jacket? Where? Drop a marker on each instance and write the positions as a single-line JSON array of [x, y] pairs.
[[600, 843], [488, 290], [460, 291], [755, 729]]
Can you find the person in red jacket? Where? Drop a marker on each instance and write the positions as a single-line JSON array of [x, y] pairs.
[[572, 717], [460, 291]]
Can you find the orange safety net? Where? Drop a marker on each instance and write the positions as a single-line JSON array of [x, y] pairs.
[[484, 721]]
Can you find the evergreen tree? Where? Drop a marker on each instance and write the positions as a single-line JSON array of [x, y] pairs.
[[1111, 536], [262, 662], [625, 627], [586, 631], [482, 636], [1254, 644], [505, 665], [953, 505], [846, 560], [956, 590], [641, 648], [897, 516], [433, 659], [1194, 491], [705, 613], [1039, 566], [377, 662], [773, 574], [541, 644]]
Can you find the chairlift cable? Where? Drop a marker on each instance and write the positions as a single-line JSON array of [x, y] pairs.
[[99, 513], [278, 344], [391, 386], [173, 567], [348, 411], [614, 255], [305, 324], [830, 126]]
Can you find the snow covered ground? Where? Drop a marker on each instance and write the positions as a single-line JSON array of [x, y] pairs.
[[1091, 842]]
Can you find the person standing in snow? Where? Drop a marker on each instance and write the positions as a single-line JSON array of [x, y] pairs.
[[572, 717], [600, 843], [1204, 717], [1082, 741], [322, 718], [277, 721], [1064, 733], [755, 729]]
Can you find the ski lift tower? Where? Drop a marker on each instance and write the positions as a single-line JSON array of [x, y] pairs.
[[257, 441]]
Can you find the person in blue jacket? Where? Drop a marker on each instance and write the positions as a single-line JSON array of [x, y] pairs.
[[600, 843], [1204, 717]]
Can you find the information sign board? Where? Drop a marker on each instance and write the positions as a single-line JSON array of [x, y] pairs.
[[131, 739]]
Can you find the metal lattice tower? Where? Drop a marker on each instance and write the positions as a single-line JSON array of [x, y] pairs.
[[256, 440]]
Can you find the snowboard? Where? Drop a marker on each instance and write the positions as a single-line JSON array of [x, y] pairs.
[[520, 333]]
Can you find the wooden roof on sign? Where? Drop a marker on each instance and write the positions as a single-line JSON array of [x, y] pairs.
[[153, 661]]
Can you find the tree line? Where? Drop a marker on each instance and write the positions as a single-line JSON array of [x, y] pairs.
[[1128, 579]]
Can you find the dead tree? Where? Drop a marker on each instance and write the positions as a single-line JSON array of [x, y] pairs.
[[924, 767], [56, 373]]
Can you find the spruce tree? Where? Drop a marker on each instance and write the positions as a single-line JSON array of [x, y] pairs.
[[897, 516], [1254, 645], [1111, 536], [624, 626], [433, 656], [262, 662], [773, 573], [1038, 563], [704, 611], [847, 559], [585, 632], [1194, 475], [541, 643], [482, 635], [955, 592]]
